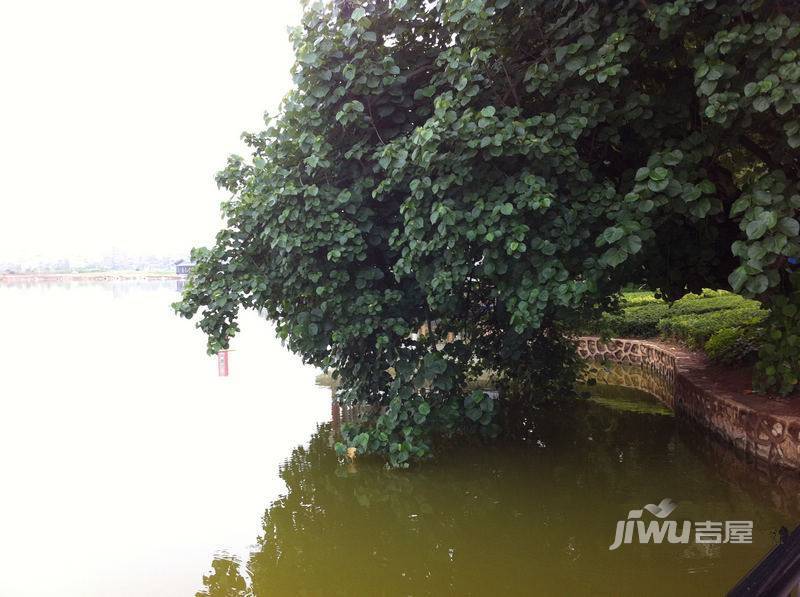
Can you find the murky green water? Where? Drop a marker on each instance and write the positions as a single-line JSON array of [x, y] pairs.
[[129, 468], [533, 517]]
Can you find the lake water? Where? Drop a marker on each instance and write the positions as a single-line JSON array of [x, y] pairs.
[[129, 467]]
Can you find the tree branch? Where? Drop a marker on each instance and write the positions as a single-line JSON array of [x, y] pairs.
[[758, 151], [372, 121], [511, 84]]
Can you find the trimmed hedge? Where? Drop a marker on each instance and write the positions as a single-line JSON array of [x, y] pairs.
[[639, 297], [642, 314], [637, 322], [734, 345], [696, 329], [708, 293], [726, 325], [723, 302]]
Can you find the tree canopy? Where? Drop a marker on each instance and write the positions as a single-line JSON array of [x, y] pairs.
[[457, 186]]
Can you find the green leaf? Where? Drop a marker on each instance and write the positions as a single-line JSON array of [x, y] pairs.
[[738, 278], [488, 111], [789, 226], [548, 248], [761, 103], [707, 87], [657, 185], [740, 205], [358, 14], [615, 256], [575, 63], [755, 229], [634, 244], [474, 414], [613, 234], [757, 284], [707, 187]]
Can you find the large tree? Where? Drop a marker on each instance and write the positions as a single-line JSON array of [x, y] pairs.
[[492, 172]]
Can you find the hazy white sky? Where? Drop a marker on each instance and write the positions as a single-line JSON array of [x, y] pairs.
[[115, 116]]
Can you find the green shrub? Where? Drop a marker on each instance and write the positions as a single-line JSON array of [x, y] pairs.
[[695, 329], [734, 345], [693, 304], [778, 365], [642, 313], [637, 322], [708, 293], [639, 297], [723, 323]]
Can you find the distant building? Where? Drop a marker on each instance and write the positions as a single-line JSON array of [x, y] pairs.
[[183, 267]]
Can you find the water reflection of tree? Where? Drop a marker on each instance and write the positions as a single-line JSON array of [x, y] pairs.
[[345, 531], [225, 580], [537, 508]]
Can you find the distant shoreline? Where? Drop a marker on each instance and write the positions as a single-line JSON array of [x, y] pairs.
[[87, 276]]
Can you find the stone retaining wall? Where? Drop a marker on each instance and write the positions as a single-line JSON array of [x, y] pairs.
[[767, 429], [631, 376]]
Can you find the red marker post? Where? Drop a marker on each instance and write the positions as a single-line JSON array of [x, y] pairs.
[[222, 363]]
